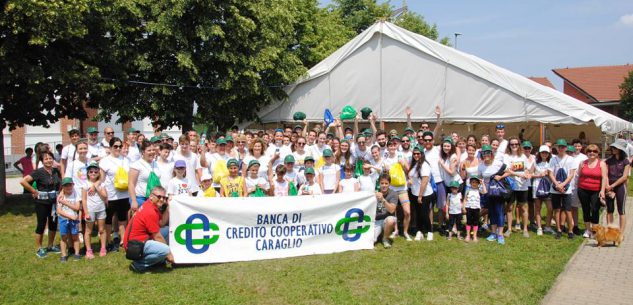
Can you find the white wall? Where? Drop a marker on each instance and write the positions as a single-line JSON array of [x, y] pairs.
[[118, 128], [51, 135], [6, 135]]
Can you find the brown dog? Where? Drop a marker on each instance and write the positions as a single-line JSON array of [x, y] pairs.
[[606, 234]]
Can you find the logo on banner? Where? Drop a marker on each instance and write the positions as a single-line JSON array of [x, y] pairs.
[[353, 217], [189, 226]]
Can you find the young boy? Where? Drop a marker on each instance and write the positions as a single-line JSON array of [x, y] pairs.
[[233, 185], [206, 186], [454, 210], [68, 206]]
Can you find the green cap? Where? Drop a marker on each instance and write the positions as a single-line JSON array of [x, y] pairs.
[[253, 162], [299, 116], [289, 159], [298, 126], [475, 177], [220, 141], [155, 139], [232, 162], [409, 129], [327, 152], [229, 138], [309, 170], [393, 132], [367, 131], [571, 148], [164, 135], [92, 164], [416, 147], [131, 130], [561, 142], [486, 148], [394, 138], [448, 139], [67, 180], [365, 112], [526, 144], [92, 130], [308, 158], [454, 184], [428, 133]]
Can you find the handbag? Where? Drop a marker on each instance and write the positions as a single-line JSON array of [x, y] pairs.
[[135, 248], [496, 189]]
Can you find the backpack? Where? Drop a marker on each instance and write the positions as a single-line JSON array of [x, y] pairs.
[[120, 179], [152, 181], [561, 175], [220, 171], [397, 175], [543, 188]]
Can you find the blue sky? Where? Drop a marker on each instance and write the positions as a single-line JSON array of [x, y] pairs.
[[533, 37]]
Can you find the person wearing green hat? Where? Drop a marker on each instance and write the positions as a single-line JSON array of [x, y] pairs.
[[253, 180], [232, 185], [518, 167], [329, 173], [472, 203], [310, 187], [68, 206], [69, 152], [133, 153], [94, 197], [562, 172], [292, 175], [393, 157], [448, 169], [454, 209], [93, 144], [405, 147], [489, 168]]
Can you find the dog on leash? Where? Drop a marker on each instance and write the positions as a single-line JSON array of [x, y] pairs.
[[604, 235]]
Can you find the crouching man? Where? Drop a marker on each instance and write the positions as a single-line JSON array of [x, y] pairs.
[[143, 242], [385, 209]]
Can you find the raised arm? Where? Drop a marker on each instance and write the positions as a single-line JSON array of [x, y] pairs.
[[438, 124]]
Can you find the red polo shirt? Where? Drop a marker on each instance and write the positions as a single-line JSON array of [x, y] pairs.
[[144, 224]]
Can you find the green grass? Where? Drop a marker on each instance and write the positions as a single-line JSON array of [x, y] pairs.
[[438, 272]]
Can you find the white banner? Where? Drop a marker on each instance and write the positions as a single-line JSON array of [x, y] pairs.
[[214, 230]]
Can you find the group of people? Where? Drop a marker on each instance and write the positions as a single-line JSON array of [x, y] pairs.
[[489, 180]]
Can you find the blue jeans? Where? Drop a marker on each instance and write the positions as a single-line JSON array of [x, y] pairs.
[[495, 211], [154, 253]]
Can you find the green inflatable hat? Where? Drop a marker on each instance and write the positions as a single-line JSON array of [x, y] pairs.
[[365, 112], [299, 116], [348, 113]]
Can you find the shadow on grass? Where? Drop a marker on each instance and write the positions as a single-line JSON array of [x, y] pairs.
[[18, 205]]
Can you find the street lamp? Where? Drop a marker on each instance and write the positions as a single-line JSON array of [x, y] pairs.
[[456, 34]]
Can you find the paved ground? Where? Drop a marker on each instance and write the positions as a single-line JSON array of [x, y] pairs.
[[597, 275]]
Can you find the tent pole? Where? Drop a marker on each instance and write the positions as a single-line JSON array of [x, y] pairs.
[[380, 67], [541, 133]]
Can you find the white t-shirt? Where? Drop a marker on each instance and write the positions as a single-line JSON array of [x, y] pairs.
[[359, 154], [177, 186], [93, 150], [518, 164], [299, 159], [193, 163], [445, 176], [348, 184], [133, 153], [166, 172], [143, 169], [539, 169], [294, 177], [79, 172], [95, 203], [68, 152], [485, 171], [263, 165], [473, 199], [252, 183], [416, 181], [433, 156], [281, 188], [110, 165], [567, 163], [329, 173], [73, 198], [317, 152], [313, 189], [579, 159], [283, 152], [455, 203], [367, 183], [212, 161], [389, 162], [501, 150]]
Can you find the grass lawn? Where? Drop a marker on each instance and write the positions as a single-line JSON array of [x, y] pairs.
[[438, 272]]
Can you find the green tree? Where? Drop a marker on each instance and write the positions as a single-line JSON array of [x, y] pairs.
[[48, 59], [626, 98]]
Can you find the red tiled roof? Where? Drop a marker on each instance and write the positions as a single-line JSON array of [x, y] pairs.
[[543, 81], [601, 83]]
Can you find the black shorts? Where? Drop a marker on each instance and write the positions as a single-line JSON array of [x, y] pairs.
[[118, 207], [519, 197], [561, 201]]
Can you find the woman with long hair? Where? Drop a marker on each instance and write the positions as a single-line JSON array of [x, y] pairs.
[[540, 171], [422, 193], [618, 173], [516, 163]]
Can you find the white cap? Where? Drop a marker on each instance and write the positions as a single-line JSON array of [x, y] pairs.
[[206, 176], [543, 148]]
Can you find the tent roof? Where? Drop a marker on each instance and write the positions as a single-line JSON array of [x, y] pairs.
[[388, 68]]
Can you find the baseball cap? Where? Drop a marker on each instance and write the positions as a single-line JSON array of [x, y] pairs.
[[220, 141], [289, 159], [454, 184], [92, 130], [93, 164], [67, 180], [571, 148], [475, 177], [253, 162], [309, 170], [427, 133], [180, 163], [232, 162], [526, 144], [500, 126], [228, 139], [131, 130], [486, 148], [308, 158], [206, 176], [327, 152], [543, 148]]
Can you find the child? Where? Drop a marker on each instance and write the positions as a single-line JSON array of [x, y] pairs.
[[329, 173], [454, 210], [179, 184], [310, 187], [349, 184], [367, 181], [206, 186], [473, 206], [68, 211], [232, 185], [280, 186], [253, 180], [95, 198]]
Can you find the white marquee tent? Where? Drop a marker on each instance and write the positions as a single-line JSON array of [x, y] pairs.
[[388, 68]]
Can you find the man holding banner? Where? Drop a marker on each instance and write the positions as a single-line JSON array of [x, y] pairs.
[[385, 209]]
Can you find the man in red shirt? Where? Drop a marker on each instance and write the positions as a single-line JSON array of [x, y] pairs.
[[146, 226]]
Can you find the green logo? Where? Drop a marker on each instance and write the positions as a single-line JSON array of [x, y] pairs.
[[189, 227], [352, 216]]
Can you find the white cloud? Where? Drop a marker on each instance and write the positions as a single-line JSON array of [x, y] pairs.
[[627, 20]]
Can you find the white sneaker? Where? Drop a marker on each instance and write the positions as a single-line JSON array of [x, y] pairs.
[[586, 235], [517, 227], [386, 243], [429, 236], [539, 232], [419, 236], [407, 237], [393, 235]]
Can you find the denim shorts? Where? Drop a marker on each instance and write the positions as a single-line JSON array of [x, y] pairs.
[[67, 226]]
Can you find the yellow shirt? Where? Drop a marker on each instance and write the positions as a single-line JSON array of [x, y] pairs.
[[232, 187]]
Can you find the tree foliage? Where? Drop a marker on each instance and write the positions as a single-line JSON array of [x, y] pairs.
[[626, 98]]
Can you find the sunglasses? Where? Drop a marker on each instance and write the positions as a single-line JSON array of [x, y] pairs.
[[112, 132], [486, 153], [93, 172], [417, 154], [301, 143], [406, 141], [527, 148], [117, 146], [514, 144], [160, 197], [592, 151], [428, 140], [361, 142]]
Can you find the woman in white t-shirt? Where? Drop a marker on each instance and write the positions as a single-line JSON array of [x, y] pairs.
[[77, 166], [118, 197], [329, 173], [139, 174], [256, 152], [516, 164], [349, 184], [422, 191], [164, 163], [366, 180], [299, 153]]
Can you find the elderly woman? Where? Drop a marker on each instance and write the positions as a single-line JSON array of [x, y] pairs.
[[48, 181], [618, 174], [592, 180]]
